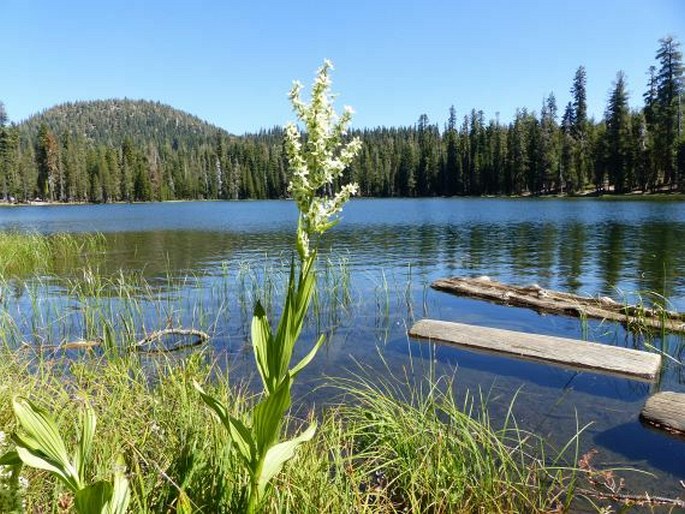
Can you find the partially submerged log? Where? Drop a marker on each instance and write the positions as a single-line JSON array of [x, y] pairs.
[[145, 345], [665, 410], [573, 353], [555, 302]]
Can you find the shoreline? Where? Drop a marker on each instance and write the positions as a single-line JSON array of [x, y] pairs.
[[588, 194]]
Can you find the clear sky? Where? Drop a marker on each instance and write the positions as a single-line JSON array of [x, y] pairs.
[[232, 62]]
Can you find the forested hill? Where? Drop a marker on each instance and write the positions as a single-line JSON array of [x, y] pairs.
[[124, 150], [133, 150], [111, 122]]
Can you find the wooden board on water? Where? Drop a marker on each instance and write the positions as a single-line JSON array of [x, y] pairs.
[[555, 302], [666, 410], [553, 350]]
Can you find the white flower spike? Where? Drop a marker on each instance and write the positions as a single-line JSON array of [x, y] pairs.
[[317, 164]]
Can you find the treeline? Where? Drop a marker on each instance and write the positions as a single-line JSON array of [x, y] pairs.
[[123, 150], [553, 152]]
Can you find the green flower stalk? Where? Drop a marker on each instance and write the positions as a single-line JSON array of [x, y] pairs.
[[316, 166]]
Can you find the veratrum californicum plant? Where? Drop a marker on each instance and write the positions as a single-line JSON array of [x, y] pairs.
[[315, 166]]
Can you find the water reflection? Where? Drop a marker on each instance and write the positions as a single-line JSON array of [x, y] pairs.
[[617, 260], [394, 249]]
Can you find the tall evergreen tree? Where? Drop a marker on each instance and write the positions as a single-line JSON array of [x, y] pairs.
[[548, 148], [3, 115], [619, 136], [9, 163], [579, 123], [48, 160], [650, 115], [451, 169], [669, 92], [568, 171]]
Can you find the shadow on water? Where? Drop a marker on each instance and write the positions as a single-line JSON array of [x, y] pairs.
[[656, 448]]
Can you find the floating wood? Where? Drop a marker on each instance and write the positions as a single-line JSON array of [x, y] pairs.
[[145, 345], [665, 410], [555, 302], [553, 350]]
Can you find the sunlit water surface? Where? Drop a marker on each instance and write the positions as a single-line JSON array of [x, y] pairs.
[[392, 250]]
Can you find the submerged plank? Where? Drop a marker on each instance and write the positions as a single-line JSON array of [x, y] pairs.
[[554, 350], [555, 302], [665, 410]]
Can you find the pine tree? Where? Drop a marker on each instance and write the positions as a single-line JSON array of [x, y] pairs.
[[48, 160], [9, 163], [579, 123], [548, 147], [650, 115], [618, 136], [669, 93], [451, 169], [568, 172], [3, 115]]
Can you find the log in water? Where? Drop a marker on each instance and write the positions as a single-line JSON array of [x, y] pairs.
[[555, 302], [666, 410], [554, 350]]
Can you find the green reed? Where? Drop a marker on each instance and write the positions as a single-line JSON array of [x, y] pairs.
[[23, 254]]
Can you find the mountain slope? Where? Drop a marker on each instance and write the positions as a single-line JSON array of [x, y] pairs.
[[110, 122]]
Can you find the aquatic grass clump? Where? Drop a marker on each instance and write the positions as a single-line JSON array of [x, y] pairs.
[[118, 309], [23, 254], [429, 453]]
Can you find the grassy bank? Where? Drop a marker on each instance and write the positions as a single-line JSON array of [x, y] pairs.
[[374, 453]]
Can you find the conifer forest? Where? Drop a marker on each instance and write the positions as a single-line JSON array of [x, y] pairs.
[[134, 150]]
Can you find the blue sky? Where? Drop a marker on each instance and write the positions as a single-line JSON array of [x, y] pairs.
[[232, 63]]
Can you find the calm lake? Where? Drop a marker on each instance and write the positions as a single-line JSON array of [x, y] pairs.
[[383, 257]]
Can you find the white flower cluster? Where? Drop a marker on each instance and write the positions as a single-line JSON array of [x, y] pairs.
[[318, 163]]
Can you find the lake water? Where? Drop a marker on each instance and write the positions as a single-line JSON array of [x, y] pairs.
[[393, 250]]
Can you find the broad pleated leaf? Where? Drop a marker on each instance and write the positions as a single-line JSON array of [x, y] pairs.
[[283, 341], [262, 342], [40, 444], [242, 438], [298, 298], [211, 402], [41, 428], [307, 358], [88, 423], [238, 432], [121, 494], [93, 498], [37, 459], [268, 415], [279, 454]]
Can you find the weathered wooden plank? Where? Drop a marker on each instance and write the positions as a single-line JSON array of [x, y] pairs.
[[555, 302], [665, 410], [554, 350]]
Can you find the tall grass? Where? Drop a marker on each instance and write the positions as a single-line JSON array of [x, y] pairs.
[[120, 309], [377, 453], [23, 254]]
